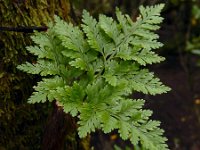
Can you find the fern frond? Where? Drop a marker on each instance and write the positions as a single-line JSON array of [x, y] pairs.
[[110, 27], [91, 29], [151, 15], [71, 98], [147, 57], [41, 39], [139, 39], [42, 67], [145, 82], [92, 69], [45, 90], [40, 52], [124, 21]]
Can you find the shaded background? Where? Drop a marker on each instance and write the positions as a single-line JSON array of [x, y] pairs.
[[22, 126]]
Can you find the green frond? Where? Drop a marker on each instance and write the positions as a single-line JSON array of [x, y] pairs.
[[124, 129], [92, 70], [151, 15], [91, 29], [40, 52], [42, 67], [145, 82], [72, 37], [71, 98], [45, 90], [110, 27], [89, 120], [111, 79], [109, 122], [124, 21], [147, 57], [41, 39]]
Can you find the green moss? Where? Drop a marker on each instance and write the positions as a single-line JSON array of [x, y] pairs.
[[21, 123]]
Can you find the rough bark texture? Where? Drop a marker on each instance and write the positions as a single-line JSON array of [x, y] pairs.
[[22, 126], [58, 126]]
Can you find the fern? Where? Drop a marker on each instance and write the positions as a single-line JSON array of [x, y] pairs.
[[91, 70]]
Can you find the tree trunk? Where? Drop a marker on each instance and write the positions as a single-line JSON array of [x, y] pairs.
[[18, 120], [58, 126]]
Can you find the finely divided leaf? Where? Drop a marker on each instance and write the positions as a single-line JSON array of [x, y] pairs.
[[92, 70]]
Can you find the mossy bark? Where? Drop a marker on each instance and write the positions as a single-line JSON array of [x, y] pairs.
[[22, 126]]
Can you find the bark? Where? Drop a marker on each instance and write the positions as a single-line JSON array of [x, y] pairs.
[[58, 126], [18, 19]]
